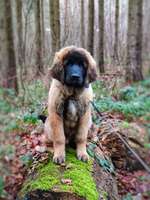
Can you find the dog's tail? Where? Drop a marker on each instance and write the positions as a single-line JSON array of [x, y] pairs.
[[42, 117]]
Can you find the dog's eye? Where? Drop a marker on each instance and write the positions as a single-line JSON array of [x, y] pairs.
[[66, 63], [81, 65], [84, 65]]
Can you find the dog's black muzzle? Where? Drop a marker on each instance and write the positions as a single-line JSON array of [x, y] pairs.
[[75, 75]]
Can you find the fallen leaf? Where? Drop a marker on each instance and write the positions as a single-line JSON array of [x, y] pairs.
[[66, 181]]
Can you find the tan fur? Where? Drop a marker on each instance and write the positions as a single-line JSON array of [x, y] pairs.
[[77, 120]]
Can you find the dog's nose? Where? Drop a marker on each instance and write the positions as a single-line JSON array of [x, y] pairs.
[[75, 77]]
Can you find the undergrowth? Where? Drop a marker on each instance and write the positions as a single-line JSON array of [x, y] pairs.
[[132, 101], [21, 111], [23, 108]]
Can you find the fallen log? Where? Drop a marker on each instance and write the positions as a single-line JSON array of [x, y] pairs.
[[94, 180], [73, 180]]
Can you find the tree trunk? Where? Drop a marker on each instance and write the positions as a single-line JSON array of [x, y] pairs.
[[54, 25], [66, 33], [38, 39], [19, 31], [82, 25], [7, 55], [90, 42], [20, 54], [3, 49], [116, 57], [101, 37], [74, 180], [42, 28], [134, 41]]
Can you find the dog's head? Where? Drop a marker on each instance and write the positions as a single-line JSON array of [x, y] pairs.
[[74, 67]]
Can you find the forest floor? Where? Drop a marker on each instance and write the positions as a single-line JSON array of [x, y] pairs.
[[22, 137]]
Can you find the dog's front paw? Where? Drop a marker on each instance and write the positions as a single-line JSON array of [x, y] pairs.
[[83, 157], [59, 159]]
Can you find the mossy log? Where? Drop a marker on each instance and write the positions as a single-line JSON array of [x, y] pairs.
[[75, 180]]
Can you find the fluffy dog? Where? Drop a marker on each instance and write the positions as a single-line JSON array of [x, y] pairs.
[[69, 111]]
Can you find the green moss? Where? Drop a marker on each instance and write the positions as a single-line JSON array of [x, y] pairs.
[[82, 181], [45, 179], [49, 176]]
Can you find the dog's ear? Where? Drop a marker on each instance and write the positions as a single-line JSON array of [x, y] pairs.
[[57, 70], [92, 75], [91, 70]]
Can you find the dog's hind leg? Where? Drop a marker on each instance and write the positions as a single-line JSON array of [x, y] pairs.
[[48, 136]]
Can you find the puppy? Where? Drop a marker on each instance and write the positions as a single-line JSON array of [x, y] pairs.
[[69, 110]]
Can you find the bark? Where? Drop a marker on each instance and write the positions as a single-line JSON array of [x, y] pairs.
[[19, 31], [82, 25], [134, 41], [66, 17], [42, 27], [20, 54], [101, 37], [38, 39], [90, 42], [116, 57], [7, 55], [3, 49], [55, 25]]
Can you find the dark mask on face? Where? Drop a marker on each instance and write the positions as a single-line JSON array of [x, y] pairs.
[[74, 75]]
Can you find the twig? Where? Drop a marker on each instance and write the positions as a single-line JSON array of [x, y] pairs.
[[146, 167], [95, 107]]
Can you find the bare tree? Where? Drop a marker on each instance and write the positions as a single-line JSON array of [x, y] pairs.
[[82, 25], [90, 42], [7, 54], [116, 57], [42, 27], [38, 38], [101, 37], [134, 41], [19, 31], [55, 25]]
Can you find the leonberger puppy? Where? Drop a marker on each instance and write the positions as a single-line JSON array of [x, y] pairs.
[[69, 109]]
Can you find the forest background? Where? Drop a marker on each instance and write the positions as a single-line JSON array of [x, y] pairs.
[[115, 32]]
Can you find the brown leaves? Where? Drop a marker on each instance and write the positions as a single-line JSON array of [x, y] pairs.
[[137, 182], [25, 148], [109, 145]]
